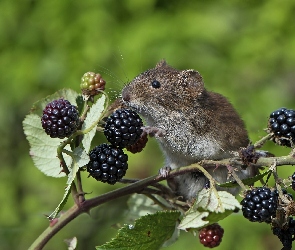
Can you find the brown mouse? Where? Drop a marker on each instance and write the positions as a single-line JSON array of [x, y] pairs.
[[195, 124]]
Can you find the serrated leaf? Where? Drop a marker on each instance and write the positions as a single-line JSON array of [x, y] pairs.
[[148, 232], [140, 205], [208, 200], [92, 117], [209, 207], [67, 94], [173, 238], [247, 181], [80, 159], [194, 219], [43, 147], [62, 203]]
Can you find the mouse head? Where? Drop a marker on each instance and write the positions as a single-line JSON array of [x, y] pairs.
[[163, 87]]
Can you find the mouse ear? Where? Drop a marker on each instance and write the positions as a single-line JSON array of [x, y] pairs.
[[192, 78], [161, 64]]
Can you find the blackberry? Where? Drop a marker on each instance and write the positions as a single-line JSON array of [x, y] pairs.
[[282, 123], [92, 83], [123, 128], [211, 236], [139, 145], [60, 119], [107, 163], [286, 234], [260, 204], [293, 181]]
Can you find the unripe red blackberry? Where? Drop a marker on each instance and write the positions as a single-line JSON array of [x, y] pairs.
[[260, 204], [139, 145], [92, 83], [60, 119], [123, 128], [107, 163], [211, 236], [282, 123]]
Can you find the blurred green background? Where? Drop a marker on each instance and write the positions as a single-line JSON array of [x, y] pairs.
[[243, 49]]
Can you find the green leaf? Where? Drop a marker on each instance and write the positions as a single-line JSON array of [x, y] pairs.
[[67, 94], [173, 238], [148, 232], [43, 148], [209, 208], [140, 205], [80, 159], [62, 203], [91, 118], [194, 219], [248, 181], [209, 200]]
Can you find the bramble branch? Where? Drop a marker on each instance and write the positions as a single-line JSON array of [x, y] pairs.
[[84, 206]]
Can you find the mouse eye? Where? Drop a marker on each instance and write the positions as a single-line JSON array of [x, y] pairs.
[[156, 84]]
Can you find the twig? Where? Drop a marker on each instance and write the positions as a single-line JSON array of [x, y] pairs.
[[159, 203], [231, 171], [263, 140]]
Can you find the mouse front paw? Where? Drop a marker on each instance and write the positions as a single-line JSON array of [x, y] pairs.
[[164, 171]]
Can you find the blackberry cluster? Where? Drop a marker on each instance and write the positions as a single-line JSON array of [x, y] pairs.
[[282, 123], [260, 204], [211, 236], [123, 128], [60, 119], [293, 181], [286, 235], [139, 145], [92, 83], [107, 163]]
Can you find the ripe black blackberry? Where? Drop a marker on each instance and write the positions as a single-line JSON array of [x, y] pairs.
[[107, 163], [211, 236], [60, 119], [260, 204], [293, 181], [286, 234], [92, 83], [282, 123], [123, 128]]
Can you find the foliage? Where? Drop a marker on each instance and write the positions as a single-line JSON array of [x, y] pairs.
[[238, 47]]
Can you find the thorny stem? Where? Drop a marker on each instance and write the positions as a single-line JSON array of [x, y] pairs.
[[160, 186], [278, 181], [80, 188], [84, 112], [66, 171]]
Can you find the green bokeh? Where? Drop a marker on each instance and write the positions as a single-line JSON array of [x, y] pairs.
[[243, 49]]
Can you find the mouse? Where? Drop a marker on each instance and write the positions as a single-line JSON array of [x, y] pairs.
[[190, 124]]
